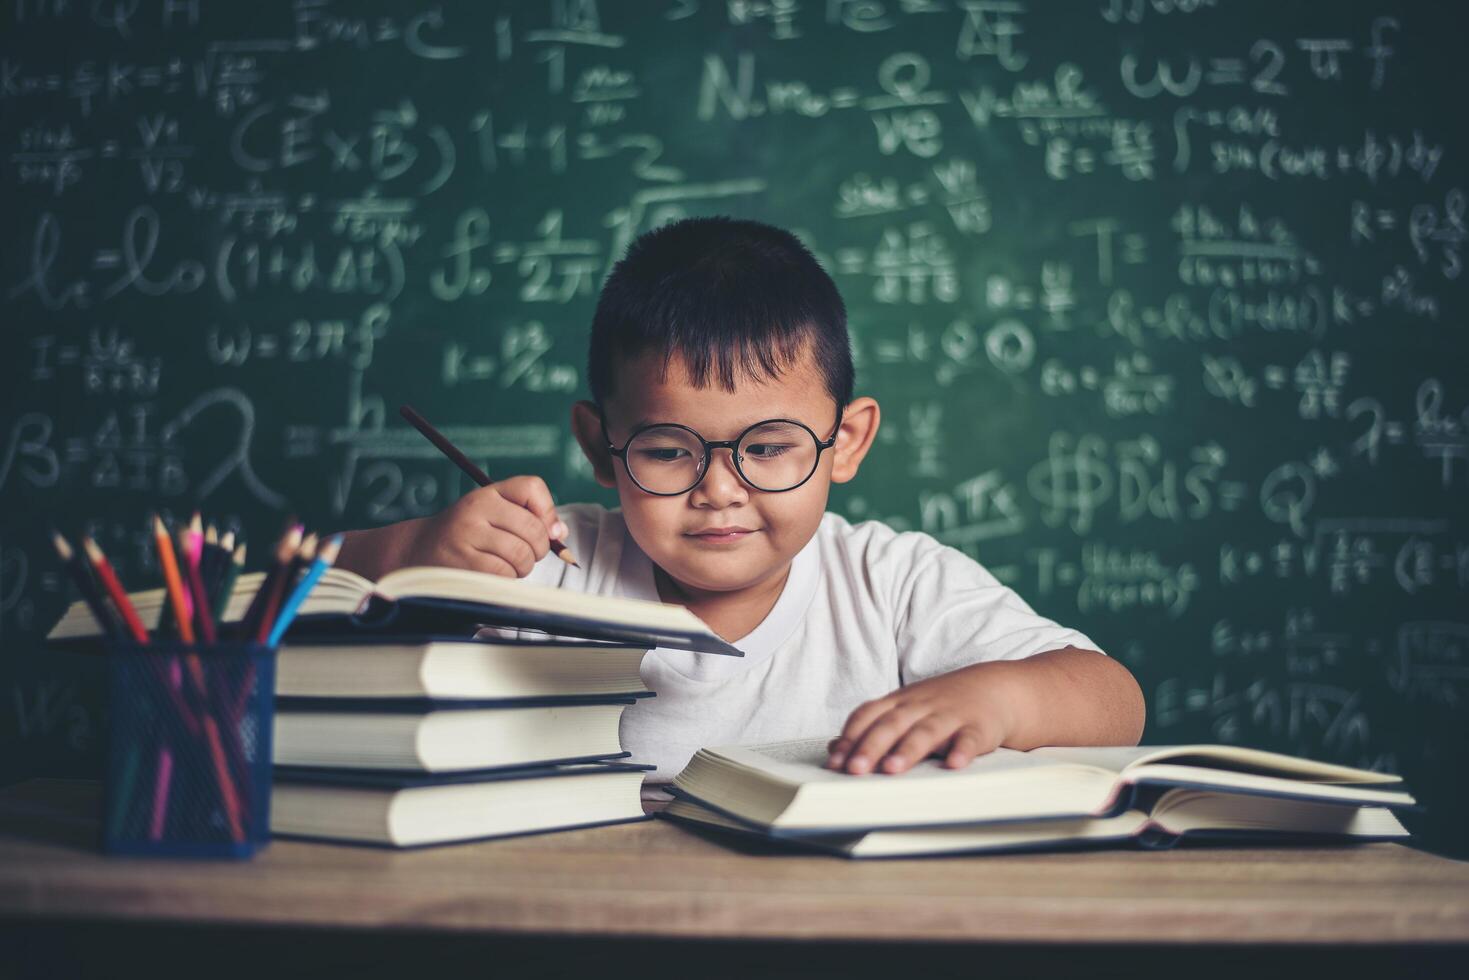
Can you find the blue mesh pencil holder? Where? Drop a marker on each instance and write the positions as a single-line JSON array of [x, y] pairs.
[[188, 749]]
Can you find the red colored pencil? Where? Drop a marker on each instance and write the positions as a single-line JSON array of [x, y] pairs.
[[222, 776], [114, 589]]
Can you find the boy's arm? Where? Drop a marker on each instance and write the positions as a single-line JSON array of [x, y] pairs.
[[373, 552], [503, 529], [1061, 697]]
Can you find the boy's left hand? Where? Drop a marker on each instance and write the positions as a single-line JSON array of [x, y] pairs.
[[959, 714]]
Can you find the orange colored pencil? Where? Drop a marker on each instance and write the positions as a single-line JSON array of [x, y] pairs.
[[177, 597], [115, 590]]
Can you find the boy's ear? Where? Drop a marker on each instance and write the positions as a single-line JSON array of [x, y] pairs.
[[586, 425], [854, 438]]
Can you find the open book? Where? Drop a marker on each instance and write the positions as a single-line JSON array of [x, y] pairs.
[[784, 788], [1176, 815], [438, 600]]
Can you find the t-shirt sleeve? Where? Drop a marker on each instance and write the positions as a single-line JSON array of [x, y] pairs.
[[950, 611]]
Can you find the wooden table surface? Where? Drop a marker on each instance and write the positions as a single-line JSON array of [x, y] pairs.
[[655, 879]]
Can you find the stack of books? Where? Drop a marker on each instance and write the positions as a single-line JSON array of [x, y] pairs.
[[392, 728], [1138, 796]]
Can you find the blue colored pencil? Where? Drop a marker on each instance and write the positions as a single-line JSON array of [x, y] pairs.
[[324, 558]]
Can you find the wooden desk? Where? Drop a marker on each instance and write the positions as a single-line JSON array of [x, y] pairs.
[[656, 879]]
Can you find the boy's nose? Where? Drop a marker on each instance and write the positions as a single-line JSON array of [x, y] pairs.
[[722, 483]]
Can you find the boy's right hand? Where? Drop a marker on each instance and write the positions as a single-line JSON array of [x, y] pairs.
[[503, 529]]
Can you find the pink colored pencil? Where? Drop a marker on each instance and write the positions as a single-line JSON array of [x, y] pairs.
[[160, 792]]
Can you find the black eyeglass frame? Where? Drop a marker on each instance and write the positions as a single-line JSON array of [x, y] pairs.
[[709, 448]]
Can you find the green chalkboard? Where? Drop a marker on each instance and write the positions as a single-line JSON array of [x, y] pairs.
[[1162, 299]]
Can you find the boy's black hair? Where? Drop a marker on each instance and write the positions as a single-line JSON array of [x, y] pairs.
[[730, 297]]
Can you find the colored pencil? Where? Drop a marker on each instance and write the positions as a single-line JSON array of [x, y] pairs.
[[86, 582], [134, 627], [222, 776], [225, 587], [284, 586], [114, 588], [476, 474], [191, 543], [324, 559], [226, 563], [177, 596], [122, 794], [285, 547], [162, 779], [224, 554], [209, 558], [183, 611]]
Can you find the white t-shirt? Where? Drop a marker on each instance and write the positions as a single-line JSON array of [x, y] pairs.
[[865, 610]]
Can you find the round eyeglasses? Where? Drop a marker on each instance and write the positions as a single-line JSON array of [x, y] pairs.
[[667, 459]]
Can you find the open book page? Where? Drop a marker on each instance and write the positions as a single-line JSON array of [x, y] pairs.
[[1228, 757], [804, 760], [471, 586], [1001, 835], [340, 581]]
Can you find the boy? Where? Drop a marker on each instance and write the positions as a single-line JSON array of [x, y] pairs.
[[721, 378]]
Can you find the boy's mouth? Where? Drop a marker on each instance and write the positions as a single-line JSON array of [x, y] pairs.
[[719, 535]]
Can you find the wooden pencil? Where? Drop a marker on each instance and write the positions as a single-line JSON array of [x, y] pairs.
[[177, 597], [91, 590], [476, 474], [208, 558], [135, 630], [284, 585], [221, 568], [325, 556], [114, 588], [191, 544], [285, 548], [226, 584]]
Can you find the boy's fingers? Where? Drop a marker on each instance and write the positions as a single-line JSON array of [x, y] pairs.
[[484, 561], [967, 744], [879, 737], [863, 716], [510, 548], [484, 529], [500, 512], [532, 493], [857, 723], [929, 733]]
